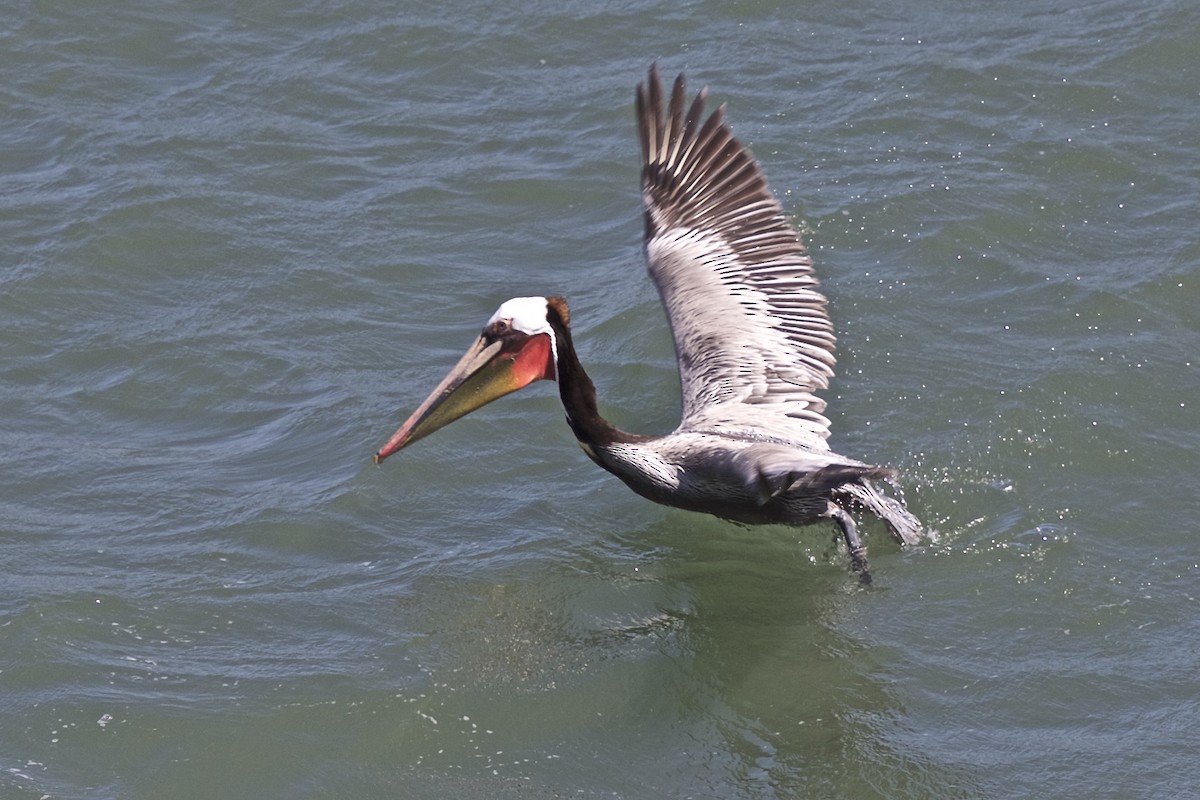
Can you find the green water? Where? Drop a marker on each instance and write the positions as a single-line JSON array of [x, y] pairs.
[[239, 243]]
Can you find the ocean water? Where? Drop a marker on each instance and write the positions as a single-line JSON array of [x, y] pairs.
[[239, 242]]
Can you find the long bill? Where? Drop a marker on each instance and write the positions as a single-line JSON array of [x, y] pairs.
[[490, 369]]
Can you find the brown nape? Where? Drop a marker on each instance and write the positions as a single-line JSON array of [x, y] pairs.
[[557, 304], [576, 389]]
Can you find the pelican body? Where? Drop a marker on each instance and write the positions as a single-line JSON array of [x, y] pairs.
[[752, 336]]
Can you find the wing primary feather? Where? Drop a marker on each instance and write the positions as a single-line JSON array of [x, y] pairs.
[[644, 128], [674, 119]]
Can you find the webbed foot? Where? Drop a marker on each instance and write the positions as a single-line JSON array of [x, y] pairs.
[[854, 544]]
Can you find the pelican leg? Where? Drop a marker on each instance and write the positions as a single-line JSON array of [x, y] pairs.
[[858, 550]]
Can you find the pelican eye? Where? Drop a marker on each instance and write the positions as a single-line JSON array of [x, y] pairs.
[[498, 328]]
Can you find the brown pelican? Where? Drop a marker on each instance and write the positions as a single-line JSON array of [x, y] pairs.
[[752, 337]]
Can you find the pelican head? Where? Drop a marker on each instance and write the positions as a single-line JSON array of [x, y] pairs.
[[516, 348]]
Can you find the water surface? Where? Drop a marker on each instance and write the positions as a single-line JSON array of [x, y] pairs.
[[239, 243]]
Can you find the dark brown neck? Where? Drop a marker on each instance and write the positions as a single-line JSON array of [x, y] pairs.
[[578, 393]]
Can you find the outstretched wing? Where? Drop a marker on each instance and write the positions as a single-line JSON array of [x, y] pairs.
[[751, 332]]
